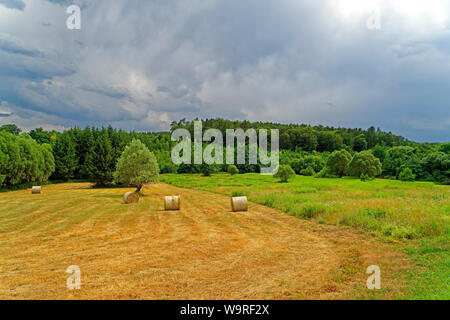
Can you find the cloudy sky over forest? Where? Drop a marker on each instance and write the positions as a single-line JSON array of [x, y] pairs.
[[141, 64]]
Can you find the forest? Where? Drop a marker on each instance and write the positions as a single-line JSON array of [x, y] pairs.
[[91, 154]]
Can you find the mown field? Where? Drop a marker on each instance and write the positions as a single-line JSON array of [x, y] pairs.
[[412, 216], [307, 239]]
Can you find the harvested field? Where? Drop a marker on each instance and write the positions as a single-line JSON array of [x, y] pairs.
[[203, 251]]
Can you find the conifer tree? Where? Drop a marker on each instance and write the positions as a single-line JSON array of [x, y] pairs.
[[98, 163], [65, 157]]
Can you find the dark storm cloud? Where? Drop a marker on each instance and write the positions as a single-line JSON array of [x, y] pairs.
[[141, 64]]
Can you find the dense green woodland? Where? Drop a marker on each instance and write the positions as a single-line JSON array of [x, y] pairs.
[[92, 153]]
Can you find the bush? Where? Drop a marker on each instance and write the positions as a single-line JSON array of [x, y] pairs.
[[406, 175], [206, 170], [309, 172], [364, 177], [232, 169], [168, 167], [285, 173]]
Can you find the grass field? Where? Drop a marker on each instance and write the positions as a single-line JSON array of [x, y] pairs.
[[413, 216], [204, 251]]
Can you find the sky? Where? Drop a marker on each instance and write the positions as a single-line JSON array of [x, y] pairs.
[[141, 64]]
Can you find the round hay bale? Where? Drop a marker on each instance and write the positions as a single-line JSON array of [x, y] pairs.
[[239, 204], [36, 190], [172, 203], [131, 197]]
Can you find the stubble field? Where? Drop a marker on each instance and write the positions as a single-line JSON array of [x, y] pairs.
[[203, 251]]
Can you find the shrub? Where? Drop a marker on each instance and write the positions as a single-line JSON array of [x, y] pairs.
[[285, 173], [309, 172], [232, 169], [168, 167], [406, 175], [206, 170]]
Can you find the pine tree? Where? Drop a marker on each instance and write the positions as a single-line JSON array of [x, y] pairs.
[[99, 160], [84, 145], [65, 157]]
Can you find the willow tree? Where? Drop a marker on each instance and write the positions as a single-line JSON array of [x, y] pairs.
[[137, 166]]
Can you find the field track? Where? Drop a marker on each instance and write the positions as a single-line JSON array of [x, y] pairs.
[[203, 251]]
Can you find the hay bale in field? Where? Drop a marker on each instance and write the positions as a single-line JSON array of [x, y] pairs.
[[172, 203], [239, 204], [36, 190], [131, 197]]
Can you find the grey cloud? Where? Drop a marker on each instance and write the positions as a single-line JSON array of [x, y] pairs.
[[10, 45], [108, 92], [13, 4]]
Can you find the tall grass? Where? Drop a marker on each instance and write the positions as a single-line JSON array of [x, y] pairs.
[[390, 209]]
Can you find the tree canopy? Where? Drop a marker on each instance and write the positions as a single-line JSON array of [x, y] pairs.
[[364, 163], [23, 160], [338, 162], [137, 166]]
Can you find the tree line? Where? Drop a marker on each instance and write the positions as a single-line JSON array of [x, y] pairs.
[[92, 154], [334, 152], [302, 137]]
